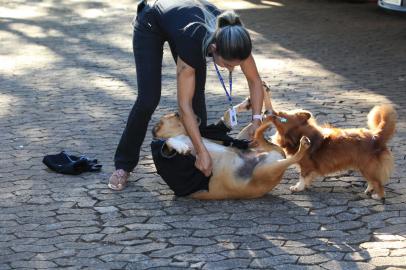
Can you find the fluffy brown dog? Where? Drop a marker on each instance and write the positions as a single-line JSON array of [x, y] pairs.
[[236, 173], [335, 149]]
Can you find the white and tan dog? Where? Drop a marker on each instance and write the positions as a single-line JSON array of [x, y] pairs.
[[237, 173]]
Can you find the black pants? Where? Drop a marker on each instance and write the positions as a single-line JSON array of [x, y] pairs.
[[148, 41]]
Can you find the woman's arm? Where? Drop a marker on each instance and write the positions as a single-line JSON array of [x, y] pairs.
[[250, 71], [186, 90]]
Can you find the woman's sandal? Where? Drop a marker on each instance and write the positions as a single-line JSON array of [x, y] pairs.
[[118, 180]]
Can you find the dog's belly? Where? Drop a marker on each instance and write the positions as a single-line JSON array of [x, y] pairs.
[[248, 163]]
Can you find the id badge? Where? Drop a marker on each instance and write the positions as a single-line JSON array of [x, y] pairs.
[[233, 117]]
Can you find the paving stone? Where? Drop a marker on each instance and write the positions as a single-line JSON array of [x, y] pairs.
[[380, 216], [145, 248], [214, 248], [257, 229], [142, 226], [92, 237], [397, 252], [81, 262], [130, 235], [33, 264], [152, 263], [365, 255], [266, 263], [313, 259], [347, 265], [299, 227], [211, 232], [227, 264], [106, 209], [316, 218], [4, 267], [249, 254], [193, 241], [291, 250], [297, 267], [180, 265], [33, 248], [261, 244], [384, 245], [193, 225], [171, 233], [79, 230], [91, 253], [346, 225], [55, 254], [325, 233], [388, 261], [169, 252], [124, 257], [196, 257], [388, 237]]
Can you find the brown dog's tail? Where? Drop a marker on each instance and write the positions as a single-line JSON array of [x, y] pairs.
[[382, 122]]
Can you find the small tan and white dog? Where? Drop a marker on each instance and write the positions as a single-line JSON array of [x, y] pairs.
[[237, 174]]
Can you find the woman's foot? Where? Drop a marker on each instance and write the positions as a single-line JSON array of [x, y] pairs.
[[118, 180]]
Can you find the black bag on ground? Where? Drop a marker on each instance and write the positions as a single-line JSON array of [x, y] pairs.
[[70, 164]]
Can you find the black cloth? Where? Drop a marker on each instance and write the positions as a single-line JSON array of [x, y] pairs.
[[163, 21], [178, 171], [70, 164], [218, 132]]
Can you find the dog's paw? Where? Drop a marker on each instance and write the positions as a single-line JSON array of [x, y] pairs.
[[305, 142], [377, 197], [178, 145], [369, 190], [297, 188]]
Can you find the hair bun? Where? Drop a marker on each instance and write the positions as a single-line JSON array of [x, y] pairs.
[[228, 18]]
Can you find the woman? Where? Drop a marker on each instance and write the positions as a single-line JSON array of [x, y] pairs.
[[194, 30]]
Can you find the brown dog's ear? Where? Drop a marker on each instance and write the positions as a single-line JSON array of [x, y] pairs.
[[304, 116]]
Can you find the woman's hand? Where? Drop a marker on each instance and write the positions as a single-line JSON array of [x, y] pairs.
[[204, 163], [253, 127]]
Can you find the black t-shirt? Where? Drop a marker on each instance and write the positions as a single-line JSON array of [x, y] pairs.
[[174, 15]]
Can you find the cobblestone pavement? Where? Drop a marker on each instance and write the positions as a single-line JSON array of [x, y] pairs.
[[67, 81]]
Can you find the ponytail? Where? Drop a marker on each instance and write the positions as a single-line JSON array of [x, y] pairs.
[[228, 18], [231, 38], [226, 31]]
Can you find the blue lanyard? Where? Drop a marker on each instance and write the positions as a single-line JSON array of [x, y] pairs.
[[230, 80]]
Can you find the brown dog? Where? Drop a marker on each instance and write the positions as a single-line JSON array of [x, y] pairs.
[[236, 173], [335, 149]]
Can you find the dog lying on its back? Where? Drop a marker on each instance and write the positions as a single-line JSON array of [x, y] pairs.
[[237, 173], [335, 149]]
